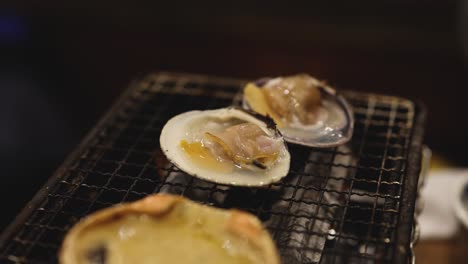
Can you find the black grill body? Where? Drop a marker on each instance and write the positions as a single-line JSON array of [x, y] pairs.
[[349, 204]]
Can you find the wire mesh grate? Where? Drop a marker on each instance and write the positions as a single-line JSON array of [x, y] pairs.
[[337, 205]]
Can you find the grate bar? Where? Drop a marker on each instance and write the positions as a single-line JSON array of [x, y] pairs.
[[370, 109]]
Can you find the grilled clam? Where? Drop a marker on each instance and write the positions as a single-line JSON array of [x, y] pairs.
[[306, 110], [227, 146]]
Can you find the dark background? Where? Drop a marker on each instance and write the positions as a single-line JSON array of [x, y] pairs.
[[62, 64]]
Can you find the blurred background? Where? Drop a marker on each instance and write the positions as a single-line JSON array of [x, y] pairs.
[[63, 64]]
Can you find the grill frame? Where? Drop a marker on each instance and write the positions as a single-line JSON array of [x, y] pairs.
[[408, 186]]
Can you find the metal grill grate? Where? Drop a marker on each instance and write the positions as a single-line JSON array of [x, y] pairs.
[[351, 204]]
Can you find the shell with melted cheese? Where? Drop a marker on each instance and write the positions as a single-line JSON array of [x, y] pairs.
[[168, 229]]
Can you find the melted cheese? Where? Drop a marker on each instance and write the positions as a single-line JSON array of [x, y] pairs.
[[184, 235]]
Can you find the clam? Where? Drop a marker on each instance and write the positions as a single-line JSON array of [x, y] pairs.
[[307, 111], [227, 146]]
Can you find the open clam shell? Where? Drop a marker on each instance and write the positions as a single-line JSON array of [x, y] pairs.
[[192, 127], [334, 117]]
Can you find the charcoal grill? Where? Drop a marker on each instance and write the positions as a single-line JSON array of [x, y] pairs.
[[349, 204]]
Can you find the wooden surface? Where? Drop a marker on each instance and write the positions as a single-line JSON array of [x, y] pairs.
[[454, 251]]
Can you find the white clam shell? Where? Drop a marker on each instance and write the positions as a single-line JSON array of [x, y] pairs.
[[191, 125]]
